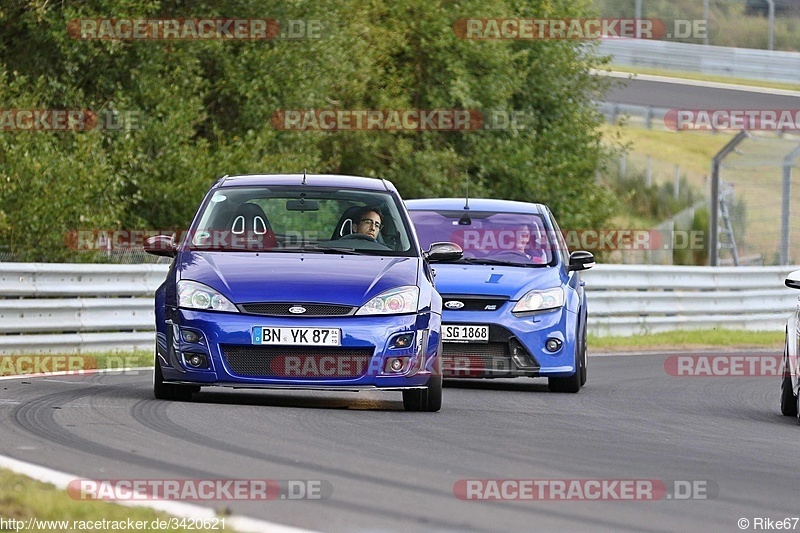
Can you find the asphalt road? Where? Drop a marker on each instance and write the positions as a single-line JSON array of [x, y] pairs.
[[395, 471], [683, 96]]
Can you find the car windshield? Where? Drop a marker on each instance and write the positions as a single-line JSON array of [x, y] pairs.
[[307, 219], [488, 238]]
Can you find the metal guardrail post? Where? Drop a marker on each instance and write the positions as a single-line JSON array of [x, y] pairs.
[[771, 4], [788, 161], [716, 163]]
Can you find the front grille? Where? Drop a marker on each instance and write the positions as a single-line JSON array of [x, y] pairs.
[[474, 303], [282, 309], [489, 359], [300, 362], [486, 350]]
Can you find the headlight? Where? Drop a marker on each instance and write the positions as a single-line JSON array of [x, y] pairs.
[[540, 300], [392, 302], [195, 295]]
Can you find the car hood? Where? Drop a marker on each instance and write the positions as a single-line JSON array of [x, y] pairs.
[[294, 277], [493, 280]]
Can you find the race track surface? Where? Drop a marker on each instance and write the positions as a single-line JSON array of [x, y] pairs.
[[395, 471]]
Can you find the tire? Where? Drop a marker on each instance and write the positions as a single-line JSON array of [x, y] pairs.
[[167, 391], [571, 384], [428, 399], [788, 400], [583, 357]]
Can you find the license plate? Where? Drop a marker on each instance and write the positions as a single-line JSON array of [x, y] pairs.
[[460, 333], [297, 336]]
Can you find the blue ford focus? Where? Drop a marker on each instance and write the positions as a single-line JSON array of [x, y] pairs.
[[300, 282], [514, 303]]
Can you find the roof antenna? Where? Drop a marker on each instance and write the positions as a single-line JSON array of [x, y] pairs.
[[465, 220], [304, 177]]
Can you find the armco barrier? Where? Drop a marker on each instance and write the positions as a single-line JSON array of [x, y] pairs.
[[763, 65], [641, 299], [74, 308]]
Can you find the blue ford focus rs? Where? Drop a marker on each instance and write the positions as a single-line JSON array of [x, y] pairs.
[[514, 303], [300, 282]]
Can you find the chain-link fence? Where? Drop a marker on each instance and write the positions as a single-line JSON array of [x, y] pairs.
[[752, 202]]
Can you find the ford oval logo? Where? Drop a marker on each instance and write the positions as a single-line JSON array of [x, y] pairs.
[[297, 309], [454, 304]]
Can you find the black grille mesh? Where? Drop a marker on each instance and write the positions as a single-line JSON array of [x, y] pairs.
[[475, 360], [296, 361]]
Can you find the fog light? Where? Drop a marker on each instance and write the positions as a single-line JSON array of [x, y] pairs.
[[395, 364], [553, 345], [195, 360], [190, 336]]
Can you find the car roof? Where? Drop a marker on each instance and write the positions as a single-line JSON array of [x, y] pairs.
[[475, 204], [311, 180]]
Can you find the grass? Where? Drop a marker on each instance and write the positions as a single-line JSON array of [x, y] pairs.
[[754, 170], [690, 339], [22, 498]]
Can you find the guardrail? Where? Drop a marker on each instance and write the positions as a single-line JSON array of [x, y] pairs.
[[639, 299], [715, 60], [78, 308], [73, 308]]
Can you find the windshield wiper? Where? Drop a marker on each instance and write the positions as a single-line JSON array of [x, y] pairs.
[[331, 249], [484, 261]]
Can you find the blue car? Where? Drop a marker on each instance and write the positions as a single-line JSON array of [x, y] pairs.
[[514, 303], [299, 282]]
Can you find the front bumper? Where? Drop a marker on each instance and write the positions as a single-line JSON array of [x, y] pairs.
[[516, 347], [232, 359]]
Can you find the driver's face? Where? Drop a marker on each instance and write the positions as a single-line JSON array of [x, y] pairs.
[[370, 224], [523, 237]]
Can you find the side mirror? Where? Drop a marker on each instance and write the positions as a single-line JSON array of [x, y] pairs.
[[793, 280], [162, 245], [443, 251], [580, 260]]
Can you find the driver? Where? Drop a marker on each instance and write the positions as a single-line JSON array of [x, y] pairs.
[[370, 222], [523, 238]]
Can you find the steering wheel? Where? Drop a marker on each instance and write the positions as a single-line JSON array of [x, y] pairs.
[[359, 236]]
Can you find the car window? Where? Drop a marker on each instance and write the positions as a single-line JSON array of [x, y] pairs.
[[292, 219], [515, 238]]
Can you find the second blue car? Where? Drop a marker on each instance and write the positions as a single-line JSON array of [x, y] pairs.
[[514, 304]]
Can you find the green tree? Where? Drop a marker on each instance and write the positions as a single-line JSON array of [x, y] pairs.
[[204, 109]]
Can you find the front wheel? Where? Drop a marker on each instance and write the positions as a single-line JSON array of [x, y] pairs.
[[788, 401], [427, 399], [572, 383], [583, 358]]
